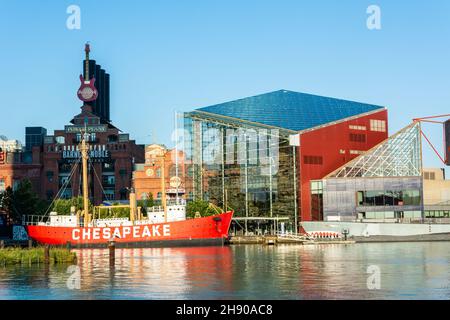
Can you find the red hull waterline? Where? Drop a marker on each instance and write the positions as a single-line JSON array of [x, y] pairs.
[[204, 231]]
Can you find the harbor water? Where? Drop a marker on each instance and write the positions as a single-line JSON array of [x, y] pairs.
[[330, 271]]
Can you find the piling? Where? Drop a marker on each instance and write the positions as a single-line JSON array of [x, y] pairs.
[[2, 244], [30, 243], [112, 253], [47, 254]]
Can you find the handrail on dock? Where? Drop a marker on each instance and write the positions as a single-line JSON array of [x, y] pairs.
[[294, 236]]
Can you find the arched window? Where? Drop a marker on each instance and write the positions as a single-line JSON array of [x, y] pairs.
[[158, 172]]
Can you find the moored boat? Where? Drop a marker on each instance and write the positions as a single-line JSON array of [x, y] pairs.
[[62, 230]]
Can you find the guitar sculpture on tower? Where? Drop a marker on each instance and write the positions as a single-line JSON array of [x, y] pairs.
[[87, 91]]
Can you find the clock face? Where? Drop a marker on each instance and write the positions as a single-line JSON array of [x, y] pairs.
[[87, 93], [149, 172]]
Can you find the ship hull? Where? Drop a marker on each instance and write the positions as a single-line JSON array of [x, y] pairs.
[[204, 231]]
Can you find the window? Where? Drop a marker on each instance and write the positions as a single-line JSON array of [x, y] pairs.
[[361, 128], [108, 167], [16, 184], [378, 125], [63, 168], [158, 172], [50, 176], [411, 197], [313, 160], [60, 140], [123, 172], [317, 200], [2, 185], [64, 181], [112, 138], [109, 194], [109, 180], [389, 198], [158, 196], [429, 175], [357, 137], [316, 187]]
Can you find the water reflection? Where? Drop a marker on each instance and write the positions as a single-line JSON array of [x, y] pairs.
[[417, 271]]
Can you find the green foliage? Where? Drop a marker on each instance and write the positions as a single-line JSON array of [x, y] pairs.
[[199, 206], [62, 206], [22, 201], [148, 203], [119, 212], [35, 255]]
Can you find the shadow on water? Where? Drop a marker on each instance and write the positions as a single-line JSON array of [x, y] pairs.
[[407, 271]]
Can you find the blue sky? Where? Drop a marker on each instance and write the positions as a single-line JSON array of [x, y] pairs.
[[179, 55]]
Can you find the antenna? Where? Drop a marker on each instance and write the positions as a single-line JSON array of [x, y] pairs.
[[176, 155]]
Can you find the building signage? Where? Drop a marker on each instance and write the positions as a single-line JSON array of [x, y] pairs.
[[447, 142], [89, 128], [97, 154], [180, 190]]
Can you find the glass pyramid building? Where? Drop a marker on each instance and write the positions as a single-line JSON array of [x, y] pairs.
[[383, 184], [398, 156]]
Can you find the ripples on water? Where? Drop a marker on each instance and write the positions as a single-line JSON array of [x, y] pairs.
[[408, 271]]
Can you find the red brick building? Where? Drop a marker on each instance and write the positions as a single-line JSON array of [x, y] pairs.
[[54, 166], [147, 176], [52, 162]]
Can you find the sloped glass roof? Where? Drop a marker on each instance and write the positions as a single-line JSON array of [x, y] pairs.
[[290, 110], [398, 156]]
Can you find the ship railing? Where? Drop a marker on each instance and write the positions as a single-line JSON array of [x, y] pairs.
[[406, 220], [155, 209], [176, 202], [34, 220]]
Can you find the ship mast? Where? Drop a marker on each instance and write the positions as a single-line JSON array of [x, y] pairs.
[[84, 148]]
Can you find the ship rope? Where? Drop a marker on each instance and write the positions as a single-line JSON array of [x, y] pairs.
[[98, 179], [61, 190]]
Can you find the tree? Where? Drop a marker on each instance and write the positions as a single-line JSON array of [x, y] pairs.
[[22, 201], [201, 207], [146, 203], [63, 206]]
